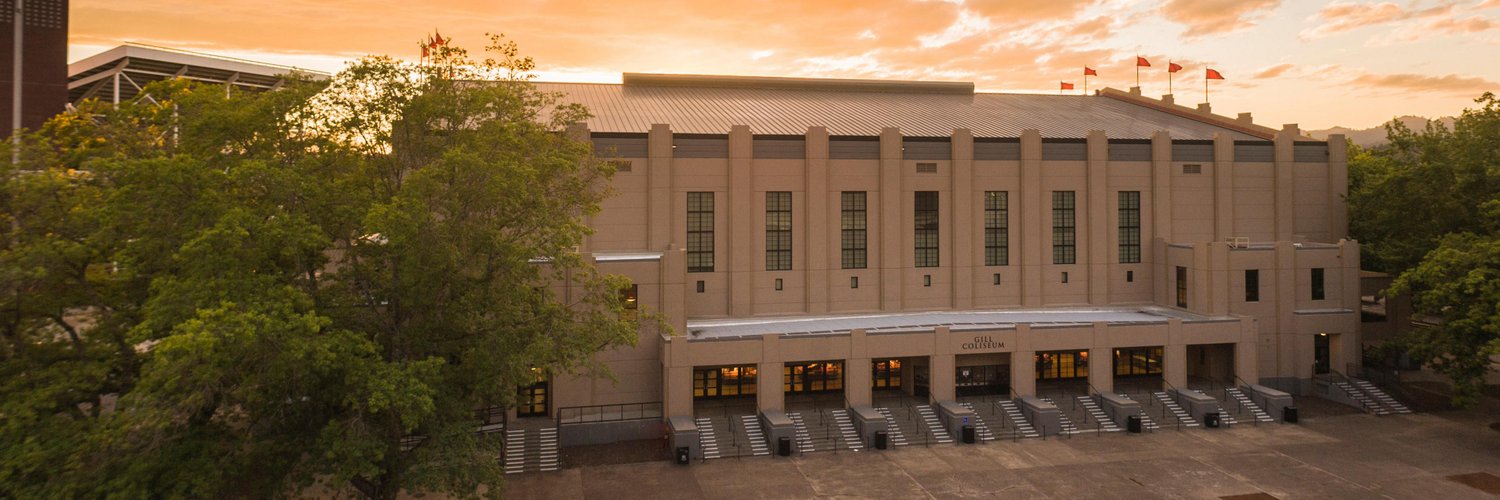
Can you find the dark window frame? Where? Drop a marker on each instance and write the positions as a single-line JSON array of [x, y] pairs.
[[778, 230], [996, 228], [1319, 292], [1064, 227], [925, 228], [854, 229], [1252, 285], [1182, 287], [1130, 227], [700, 232]]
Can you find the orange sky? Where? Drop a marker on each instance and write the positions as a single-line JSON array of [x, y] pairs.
[[1315, 63]]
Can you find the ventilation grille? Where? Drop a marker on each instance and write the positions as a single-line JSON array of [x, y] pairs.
[[1192, 168], [926, 168]]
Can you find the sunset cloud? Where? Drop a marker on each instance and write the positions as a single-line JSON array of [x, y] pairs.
[[1340, 17], [1273, 71], [1217, 17], [1409, 82]]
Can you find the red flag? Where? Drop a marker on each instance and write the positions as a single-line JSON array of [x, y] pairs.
[[1142, 62], [425, 51], [439, 37], [1067, 86], [1213, 74], [1173, 67], [1089, 71]]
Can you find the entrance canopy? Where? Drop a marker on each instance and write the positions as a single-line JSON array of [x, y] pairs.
[[927, 321]]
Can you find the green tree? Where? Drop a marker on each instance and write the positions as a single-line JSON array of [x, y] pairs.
[[215, 294], [1427, 208]]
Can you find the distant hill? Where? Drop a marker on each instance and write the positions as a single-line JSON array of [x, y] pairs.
[[1375, 136]]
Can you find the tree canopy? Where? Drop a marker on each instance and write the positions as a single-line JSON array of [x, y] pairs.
[[213, 293], [1427, 208]]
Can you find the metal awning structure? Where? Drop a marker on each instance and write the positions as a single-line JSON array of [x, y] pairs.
[[120, 73]]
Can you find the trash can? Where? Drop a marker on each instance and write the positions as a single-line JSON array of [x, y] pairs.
[[968, 433], [1133, 424], [1289, 414], [1211, 420], [882, 440], [784, 446], [682, 455]]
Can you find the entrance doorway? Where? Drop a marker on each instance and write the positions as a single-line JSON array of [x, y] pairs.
[[1062, 372], [724, 382], [532, 400], [982, 380], [1322, 355], [1210, 366], [813, 377], [885, 374], [1138, 369]]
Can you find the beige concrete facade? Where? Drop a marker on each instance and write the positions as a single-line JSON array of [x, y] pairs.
[[1280, 213]]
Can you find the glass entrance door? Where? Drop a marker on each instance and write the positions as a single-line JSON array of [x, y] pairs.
[[532, 401], [1321, 358], [822, 376]]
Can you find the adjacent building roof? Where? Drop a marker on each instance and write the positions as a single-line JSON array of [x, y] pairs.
[[118, 74], [788, 106]]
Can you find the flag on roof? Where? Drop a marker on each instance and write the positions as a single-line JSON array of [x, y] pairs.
[[1213, 74], [1173, 67], [1066, 86], [1142, 62], [1089, 71]]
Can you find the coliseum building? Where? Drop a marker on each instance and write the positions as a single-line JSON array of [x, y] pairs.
[[834, 249]]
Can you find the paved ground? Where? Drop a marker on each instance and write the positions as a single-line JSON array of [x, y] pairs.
[[1334, 453]]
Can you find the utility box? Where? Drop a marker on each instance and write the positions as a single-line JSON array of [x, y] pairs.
[[784, 446], [1044, 416], [684, 456], [1289, 414], [868, 422], [968, 434], [882, 440], [1211, 420], [1119, 408], [682, 434], [1133, 424]]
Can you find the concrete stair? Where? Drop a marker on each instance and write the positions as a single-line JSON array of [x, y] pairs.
[[1017, 419], [846, 431], [892, 428], [708, 438], [514, 458], [1097, 413], [1364, 400], [755, 435], [934, 426], [1380, 397], [1147, 423], [1174, 410], [981, 430], [1068, 428], [533, 450], [1244, 404], [803, 437]]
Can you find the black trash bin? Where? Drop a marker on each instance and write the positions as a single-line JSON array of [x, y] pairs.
[[968, 433], [1211, 420], [683, 456], [784, 446], [1133, 424], [882, 440], [1289, 414]]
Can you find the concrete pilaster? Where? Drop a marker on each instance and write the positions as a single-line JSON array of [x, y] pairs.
[[857, 383], [1023, 364], [942, 365], [1246, 351], [962, 188], [770, 393], [1031, 231], [1161, 186], [1101, 360], [665, 226], [742, 244], [1223, 187], [1174, 362], [1285, 182], [1097, 253], [821, 209], [894, 228], [677, 378]]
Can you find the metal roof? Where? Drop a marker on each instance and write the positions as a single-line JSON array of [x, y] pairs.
[[118, 74], [927, 321], [712, 107]]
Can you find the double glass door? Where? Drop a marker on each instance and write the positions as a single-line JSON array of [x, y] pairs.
[[820, 376], [532, 400]]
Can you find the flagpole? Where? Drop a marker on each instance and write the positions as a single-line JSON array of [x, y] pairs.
[[1169, 76], [1205, 89]]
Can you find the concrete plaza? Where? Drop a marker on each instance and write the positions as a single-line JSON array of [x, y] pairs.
[[1335, 452]]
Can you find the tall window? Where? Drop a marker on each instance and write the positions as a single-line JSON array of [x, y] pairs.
[[996, 228], [852, 221], [1182, 287], [1130, 227], [700, 232], [1252, 285], [1317, 283], [778, 230], [925, 219], [1064, 229]]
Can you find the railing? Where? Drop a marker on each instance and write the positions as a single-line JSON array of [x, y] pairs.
[[609, 413]]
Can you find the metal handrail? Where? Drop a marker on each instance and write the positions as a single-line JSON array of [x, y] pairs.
[[641, 411]]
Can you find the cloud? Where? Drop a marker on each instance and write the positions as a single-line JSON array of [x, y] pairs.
[[1273, 71], [1097, 28], [1408, 82], [1003, 11], [1217, 17], [1340, 17]]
